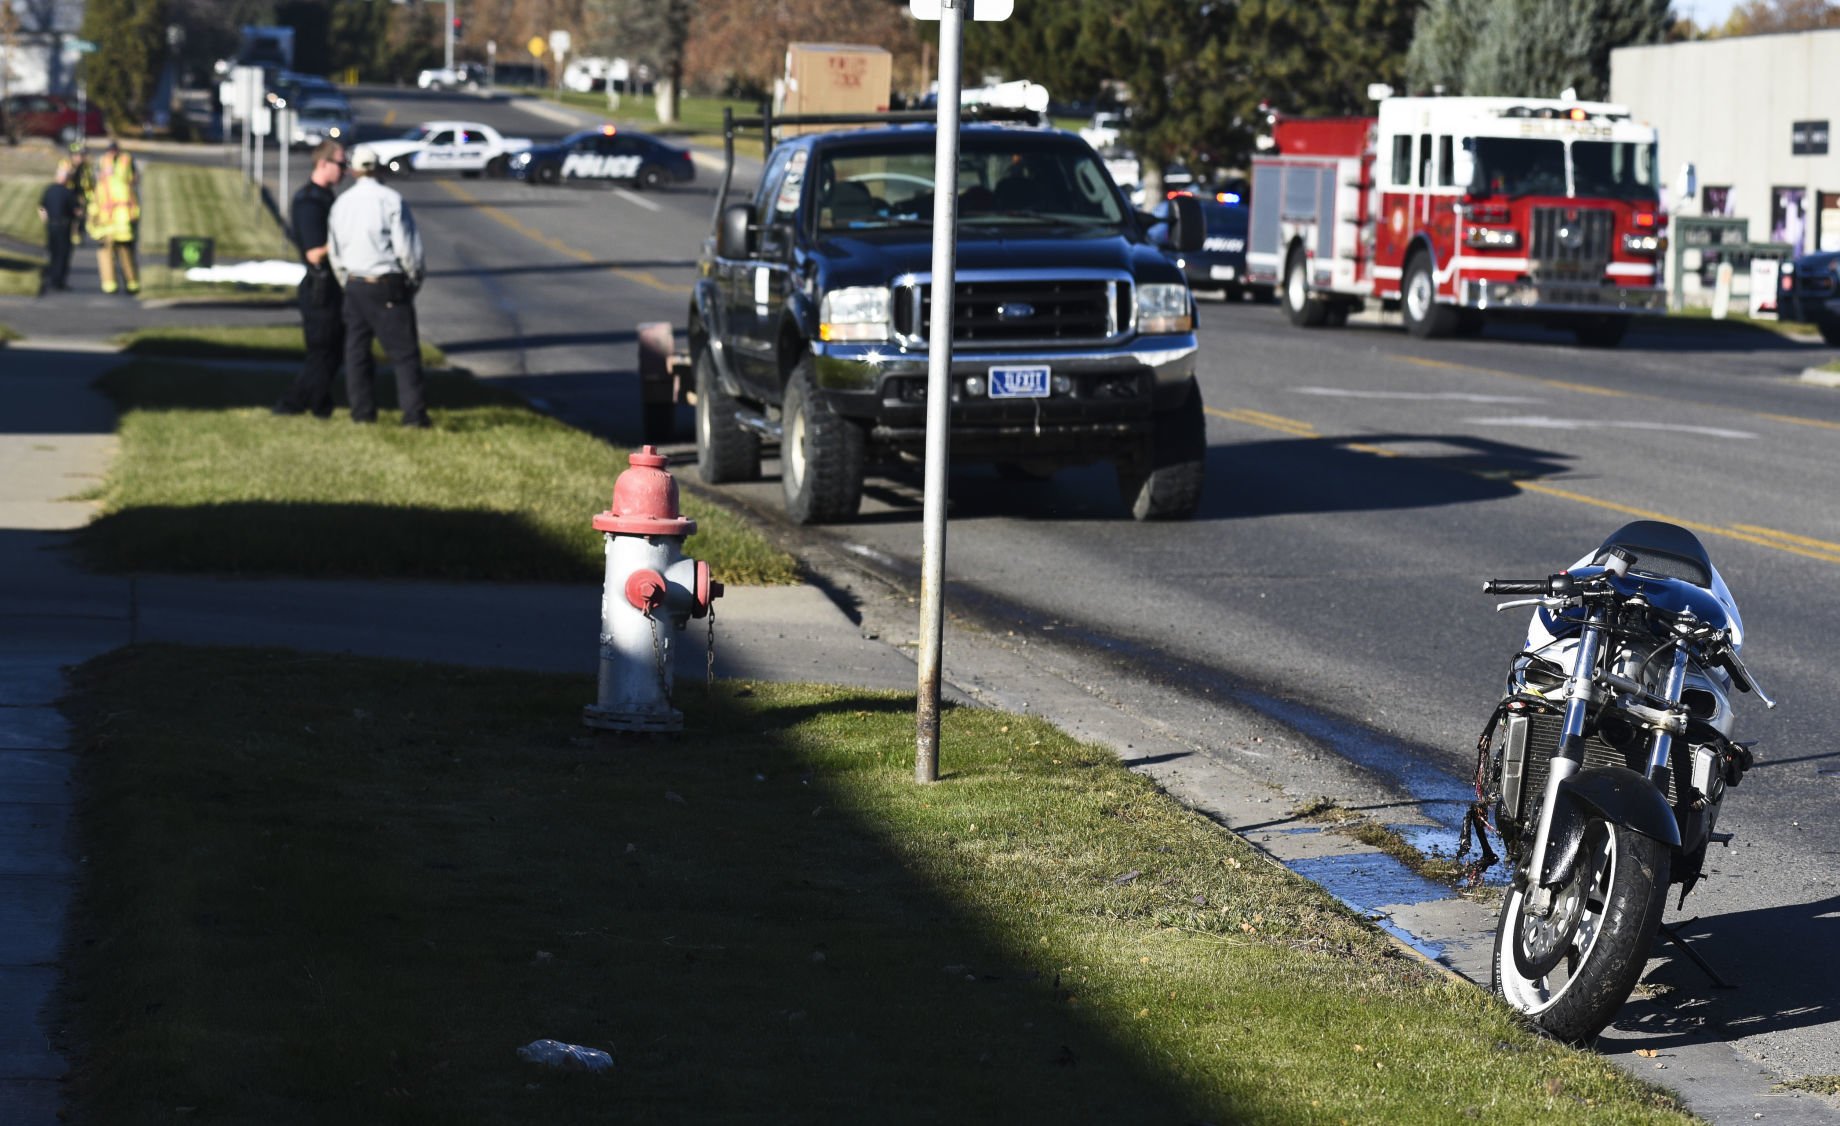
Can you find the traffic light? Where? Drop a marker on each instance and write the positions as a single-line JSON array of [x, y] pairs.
[[456, 27]]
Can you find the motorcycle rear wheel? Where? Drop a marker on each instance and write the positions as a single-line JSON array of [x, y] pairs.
[[1573, 971]]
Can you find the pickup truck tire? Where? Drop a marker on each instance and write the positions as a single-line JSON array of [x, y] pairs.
[[820, 454], [724, 451], [1304, 311], [1830, 330], [1418, 303], [1164, 483]]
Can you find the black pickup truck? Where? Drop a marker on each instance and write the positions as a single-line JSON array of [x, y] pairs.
[[1073, 334]]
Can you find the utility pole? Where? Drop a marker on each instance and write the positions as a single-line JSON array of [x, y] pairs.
[[448, 35]]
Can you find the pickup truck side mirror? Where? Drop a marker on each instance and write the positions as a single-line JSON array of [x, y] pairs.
[[732, 232], [1187, 224]]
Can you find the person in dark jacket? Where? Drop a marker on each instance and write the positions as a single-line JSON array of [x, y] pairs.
[[60, 208], [321, 298]]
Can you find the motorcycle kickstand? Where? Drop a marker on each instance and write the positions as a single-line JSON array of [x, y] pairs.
[[1673, 935]]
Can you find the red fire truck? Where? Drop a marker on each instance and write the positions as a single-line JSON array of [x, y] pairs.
[[1454, 209]]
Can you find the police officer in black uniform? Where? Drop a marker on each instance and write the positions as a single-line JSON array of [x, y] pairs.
[[320, 296]]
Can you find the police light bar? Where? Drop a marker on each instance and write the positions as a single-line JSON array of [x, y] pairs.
[[608, 130], [1226, 197]]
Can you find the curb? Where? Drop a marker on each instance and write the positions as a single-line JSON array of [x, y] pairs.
[[1821, 377]]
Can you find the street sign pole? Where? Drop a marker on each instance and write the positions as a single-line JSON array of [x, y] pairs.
[[938, 394]]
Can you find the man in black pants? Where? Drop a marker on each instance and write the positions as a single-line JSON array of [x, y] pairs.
[[377, 255], [320, 296], [59, 207]]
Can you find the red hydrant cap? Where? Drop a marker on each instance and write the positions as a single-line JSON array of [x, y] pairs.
[[645, 500]]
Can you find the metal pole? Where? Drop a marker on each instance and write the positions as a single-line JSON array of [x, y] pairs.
[[448, 37], [286, 153], [938, 394]]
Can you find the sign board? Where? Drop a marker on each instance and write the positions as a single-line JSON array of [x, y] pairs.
[[536, 46], [262, 122], [184, 252], [560, 42], [1808, 138], [1764, 272], [987, 11], [83, 46]]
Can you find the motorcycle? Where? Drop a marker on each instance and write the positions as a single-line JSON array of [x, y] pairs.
[[1607, 761]]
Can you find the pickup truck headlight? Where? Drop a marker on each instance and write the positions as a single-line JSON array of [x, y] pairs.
[[858, 313], [1163, 308], [520, 160]]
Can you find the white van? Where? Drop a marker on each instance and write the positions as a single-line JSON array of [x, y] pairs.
[[587, 74]]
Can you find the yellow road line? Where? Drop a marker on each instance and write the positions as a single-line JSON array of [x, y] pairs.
[[1789, 542], [389, 118], [1795, 420], [505, 218]]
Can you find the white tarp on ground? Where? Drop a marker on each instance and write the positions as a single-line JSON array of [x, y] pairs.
[[271, 272]]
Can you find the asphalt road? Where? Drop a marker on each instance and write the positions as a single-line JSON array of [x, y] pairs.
[[1360, 485]]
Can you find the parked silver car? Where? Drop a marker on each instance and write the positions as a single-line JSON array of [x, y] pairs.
[[323, 119]]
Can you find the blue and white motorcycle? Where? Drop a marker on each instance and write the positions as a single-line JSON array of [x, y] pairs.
[[1607, 760]]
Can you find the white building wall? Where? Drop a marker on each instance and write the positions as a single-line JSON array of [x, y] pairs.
[[1727, 106]]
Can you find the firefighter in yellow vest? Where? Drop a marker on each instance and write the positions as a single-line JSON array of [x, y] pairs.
[[114, 218]]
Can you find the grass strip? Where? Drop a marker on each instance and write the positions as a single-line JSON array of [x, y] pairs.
[[8, 332], [330, 889], [248, 342], [187, 199], [208, 481], [1702, 314], [19, 196]]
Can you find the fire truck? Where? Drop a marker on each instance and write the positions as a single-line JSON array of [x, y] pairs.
[[1452, 210]]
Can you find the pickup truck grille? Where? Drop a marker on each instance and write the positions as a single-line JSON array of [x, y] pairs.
[[1571, 242], [1018, 311], [1815, 283]]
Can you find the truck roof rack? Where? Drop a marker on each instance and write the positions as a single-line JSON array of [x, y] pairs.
[[766, 122]]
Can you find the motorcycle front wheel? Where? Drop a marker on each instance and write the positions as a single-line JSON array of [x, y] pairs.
[[1573, 969]]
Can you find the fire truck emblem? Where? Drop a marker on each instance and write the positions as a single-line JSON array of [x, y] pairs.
[[1398, 221]]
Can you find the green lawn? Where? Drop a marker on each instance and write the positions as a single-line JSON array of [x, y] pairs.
[[327, 889], [19, 197], [208, 481], [699, 118], [180, 199]]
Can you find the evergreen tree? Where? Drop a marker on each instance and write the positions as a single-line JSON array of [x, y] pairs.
[[130, 39], [1532, 48]]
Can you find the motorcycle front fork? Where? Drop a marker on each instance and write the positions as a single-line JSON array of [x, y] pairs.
[[1568, 759]]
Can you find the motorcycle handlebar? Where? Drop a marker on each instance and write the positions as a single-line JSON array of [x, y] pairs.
[[1517, 586]]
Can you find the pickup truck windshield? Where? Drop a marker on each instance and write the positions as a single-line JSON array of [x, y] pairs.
[[1014, 178]]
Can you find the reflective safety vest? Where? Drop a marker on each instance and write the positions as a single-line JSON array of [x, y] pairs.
[[114, 204]]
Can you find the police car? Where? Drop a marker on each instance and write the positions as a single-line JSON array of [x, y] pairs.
[[602, 155], [1220, 264], [466, 147]]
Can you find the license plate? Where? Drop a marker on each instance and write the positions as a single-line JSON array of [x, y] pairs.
[[1019, 382], [1222, 273]]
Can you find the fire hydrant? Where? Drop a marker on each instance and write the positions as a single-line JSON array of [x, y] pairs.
[[651, 591]]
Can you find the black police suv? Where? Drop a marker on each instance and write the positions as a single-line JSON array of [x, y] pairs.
[[1811, 292], [1073, 335], [1220, 264], [603, 155]]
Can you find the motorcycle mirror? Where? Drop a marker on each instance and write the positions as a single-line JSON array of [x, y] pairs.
[[1618, 561]]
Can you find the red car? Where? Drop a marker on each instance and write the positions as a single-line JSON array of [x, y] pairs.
[[48, 115]]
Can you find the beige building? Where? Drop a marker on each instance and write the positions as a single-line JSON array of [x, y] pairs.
[[1755, 117]]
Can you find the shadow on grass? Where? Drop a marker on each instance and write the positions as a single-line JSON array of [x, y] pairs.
[[331, 541], [155, 383], [328, 889]]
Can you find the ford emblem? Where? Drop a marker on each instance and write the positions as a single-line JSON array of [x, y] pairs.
[[1015, 311]]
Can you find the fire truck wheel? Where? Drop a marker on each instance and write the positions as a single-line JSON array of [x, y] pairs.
[[1600, 332], [1304, 310], [1424, 317]]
